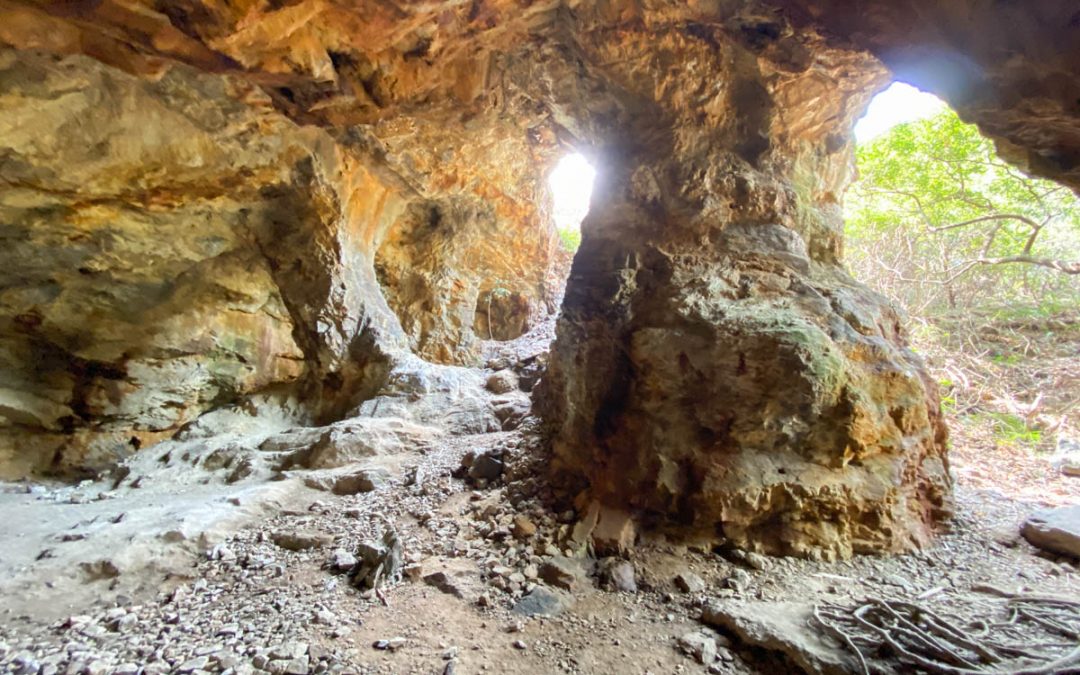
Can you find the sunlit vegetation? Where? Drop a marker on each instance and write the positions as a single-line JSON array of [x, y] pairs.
[[940, 223], [986, 261]]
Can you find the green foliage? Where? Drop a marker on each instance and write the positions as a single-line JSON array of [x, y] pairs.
[[939, 222], [948, 399], [1012, 430], [570, 238]]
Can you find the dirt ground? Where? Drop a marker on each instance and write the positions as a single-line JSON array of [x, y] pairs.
[[233, 600]]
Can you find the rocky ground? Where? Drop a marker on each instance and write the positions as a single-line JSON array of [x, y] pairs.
[[214, 554]]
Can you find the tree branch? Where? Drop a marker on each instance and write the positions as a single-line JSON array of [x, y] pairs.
[[995, 216], [1066, 266]]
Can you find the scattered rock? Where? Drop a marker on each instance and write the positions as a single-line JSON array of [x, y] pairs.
[[350, 482], [379, 562], [754, 561], [392, 644], [1055, 530], [459, 578], [502, 382], [563, 572], [100, 569], [341, 561], [617, 574], [523, 528], [289, 650], [700, 646], [781, 627], [191, 665], [486, 467], [1070, 466], [511, 410], [542, 601], [1008, 537], [1067, 457], [611, 531], [739, 580], [301, 540], [688, 582]]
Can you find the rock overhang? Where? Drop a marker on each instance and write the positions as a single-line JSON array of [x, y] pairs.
[[709, 287]]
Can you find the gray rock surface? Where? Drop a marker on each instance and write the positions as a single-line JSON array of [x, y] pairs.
[[542, 601], [1055, 530], [781, 627]]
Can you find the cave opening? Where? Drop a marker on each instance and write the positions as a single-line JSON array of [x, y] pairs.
[[503, 314], [571, 183], [981, 256]]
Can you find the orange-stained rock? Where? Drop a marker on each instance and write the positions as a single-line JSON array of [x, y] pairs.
[[204, 200]]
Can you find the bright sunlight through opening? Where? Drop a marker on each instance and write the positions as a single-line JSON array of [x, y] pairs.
[[571, 184], [898, 104]]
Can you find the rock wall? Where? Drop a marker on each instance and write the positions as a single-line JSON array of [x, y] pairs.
[[478, 232], [715, 366], [1010, 68], [190, 220], [169, 246]]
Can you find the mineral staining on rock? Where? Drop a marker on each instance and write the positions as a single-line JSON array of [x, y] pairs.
[[714, 365], [133, 297], [311, 204]]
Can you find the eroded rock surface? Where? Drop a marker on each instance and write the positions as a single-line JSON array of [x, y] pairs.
[[1055, 530], [714, 363], [205, 204]]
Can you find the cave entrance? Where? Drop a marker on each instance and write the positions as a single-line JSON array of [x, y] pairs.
[[983, 259], [571, 183], [502, 314]]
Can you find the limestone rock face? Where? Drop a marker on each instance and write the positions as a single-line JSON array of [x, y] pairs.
[[176, 241], [133, 297], [311, 201], [715, 367], [1009, 68]]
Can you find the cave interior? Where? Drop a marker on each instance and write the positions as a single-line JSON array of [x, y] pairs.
[[254, 245]]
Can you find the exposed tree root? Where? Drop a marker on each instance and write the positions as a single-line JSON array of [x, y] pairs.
[[1018, 635]]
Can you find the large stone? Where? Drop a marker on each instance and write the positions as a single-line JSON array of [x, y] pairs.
[[783, 627], [542, 601], [349, 482], [566, 573], [301, 540], [617, 574], [379, 563], [1055, 530], [459, 577]]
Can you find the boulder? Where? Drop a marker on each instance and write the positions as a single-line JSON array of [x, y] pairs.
[[458, 577], [617, 574], [301, 540], [502, 382], [688, 582], [542, 601], [782, 627], [698, 645], [486, 466], [566, 573], [348, 482], [379, 563], [1055, 530]]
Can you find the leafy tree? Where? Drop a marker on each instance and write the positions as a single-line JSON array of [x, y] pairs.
[[940, 222]]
